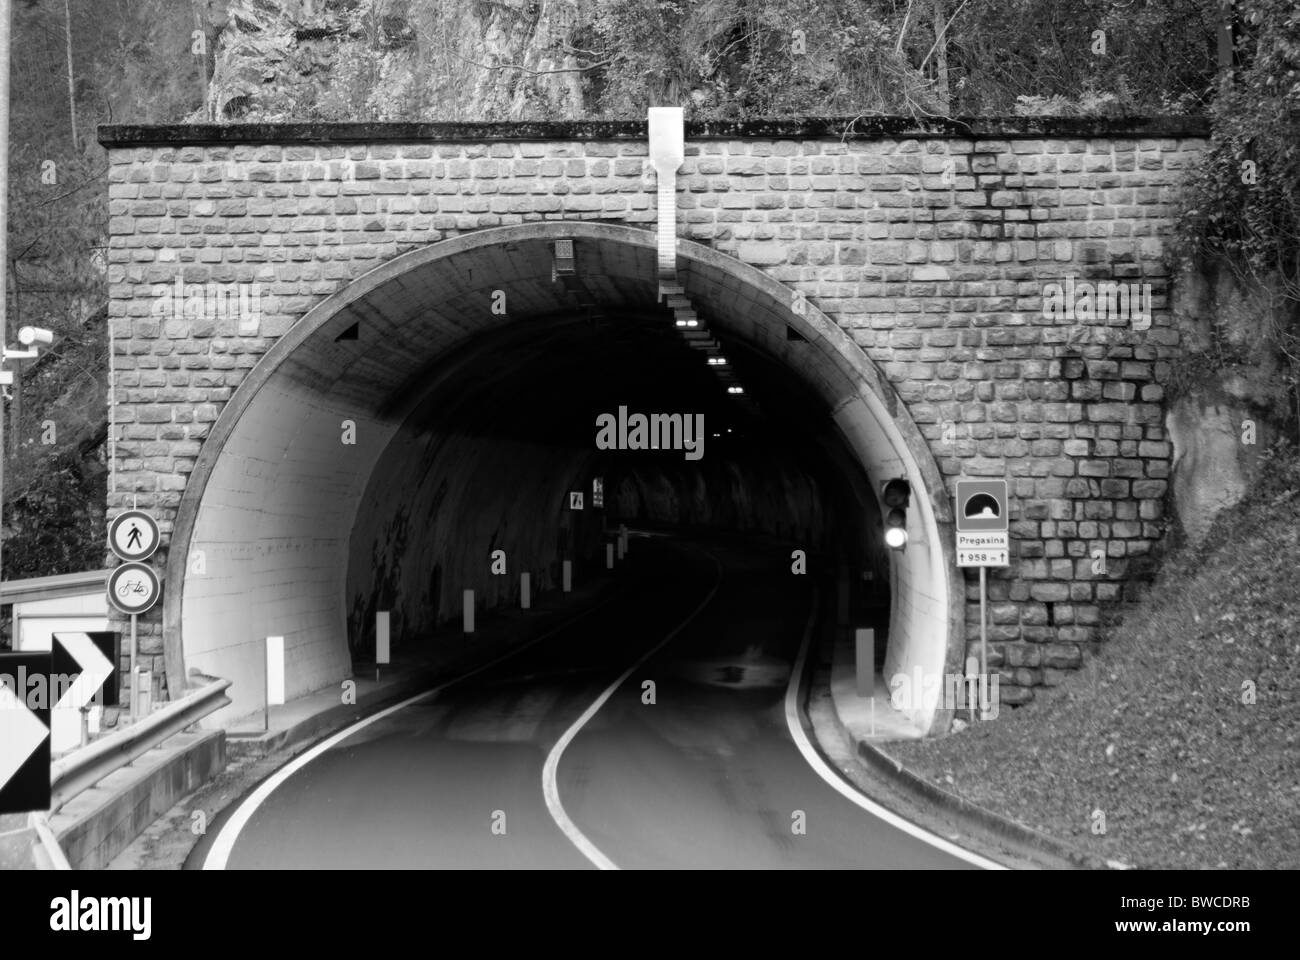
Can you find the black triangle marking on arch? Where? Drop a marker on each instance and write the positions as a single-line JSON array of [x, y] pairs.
[[792, 334], [351, 333]]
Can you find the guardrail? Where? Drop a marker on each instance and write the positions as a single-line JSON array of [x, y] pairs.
[[87, 766]]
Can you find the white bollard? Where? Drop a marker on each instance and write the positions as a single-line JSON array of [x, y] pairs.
[[866, 661], [381, 640], [381, 637]]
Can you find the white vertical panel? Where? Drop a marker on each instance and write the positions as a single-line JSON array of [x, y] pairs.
[[381, 637], [275, 670]]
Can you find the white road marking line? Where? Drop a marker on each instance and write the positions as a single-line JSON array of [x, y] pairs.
[[224, 843], [549, 772], [835, 780]]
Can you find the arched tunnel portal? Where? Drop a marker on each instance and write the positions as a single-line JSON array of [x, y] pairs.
[[469, 382]]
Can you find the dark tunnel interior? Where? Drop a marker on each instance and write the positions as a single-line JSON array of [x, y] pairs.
[[503, 427]]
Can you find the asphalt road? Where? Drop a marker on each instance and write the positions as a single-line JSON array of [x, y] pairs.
[[702, 770]]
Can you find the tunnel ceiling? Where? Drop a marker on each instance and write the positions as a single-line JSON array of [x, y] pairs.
[[431, 331], [546, 380]]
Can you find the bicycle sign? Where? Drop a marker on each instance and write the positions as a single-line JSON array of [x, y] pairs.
[[133, 535], [133, 587]]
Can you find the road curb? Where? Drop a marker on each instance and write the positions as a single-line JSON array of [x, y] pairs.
[[1003, 827], [326, 722], [922, 790]]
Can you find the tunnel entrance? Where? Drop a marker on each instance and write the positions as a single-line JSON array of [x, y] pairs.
[[443, 406]]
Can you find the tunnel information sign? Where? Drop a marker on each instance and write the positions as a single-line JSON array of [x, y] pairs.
[[981, 512]]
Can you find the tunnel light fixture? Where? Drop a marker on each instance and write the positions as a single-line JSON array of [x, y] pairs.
[[735, 389], [564, 258], [717, 361]]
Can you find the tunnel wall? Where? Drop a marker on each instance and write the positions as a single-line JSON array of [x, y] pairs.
[[272, 536], [436, 507], [755, 495], [931, 246]]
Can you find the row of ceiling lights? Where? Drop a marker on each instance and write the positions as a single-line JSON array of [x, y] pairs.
[[688, 323], [686, 320]]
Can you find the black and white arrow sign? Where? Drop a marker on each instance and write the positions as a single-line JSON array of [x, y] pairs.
[[24, 732], [90, 658]]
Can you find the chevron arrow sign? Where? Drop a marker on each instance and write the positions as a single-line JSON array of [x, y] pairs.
[[90, 658], [24, 732]]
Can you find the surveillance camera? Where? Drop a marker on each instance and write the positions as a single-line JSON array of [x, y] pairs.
[[29, 335]]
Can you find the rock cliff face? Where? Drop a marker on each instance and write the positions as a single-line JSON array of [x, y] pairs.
[[1232, 398], [406, 59]]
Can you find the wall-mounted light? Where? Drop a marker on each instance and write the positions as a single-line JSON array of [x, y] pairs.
[[29, 335], [564, 257]]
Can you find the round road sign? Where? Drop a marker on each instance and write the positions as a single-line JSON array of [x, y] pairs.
[[133, 587], [133, 535]]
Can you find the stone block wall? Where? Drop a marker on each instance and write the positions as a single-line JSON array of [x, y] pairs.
[[934, 248]]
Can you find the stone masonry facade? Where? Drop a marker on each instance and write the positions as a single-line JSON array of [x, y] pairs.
[[932, 247]]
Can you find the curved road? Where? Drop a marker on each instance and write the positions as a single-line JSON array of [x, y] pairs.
[[654, 731]]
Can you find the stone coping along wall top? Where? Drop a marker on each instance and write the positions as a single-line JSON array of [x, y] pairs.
[[784, 128]]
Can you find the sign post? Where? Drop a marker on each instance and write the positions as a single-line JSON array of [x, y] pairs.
[[982, 535], [133, 587]]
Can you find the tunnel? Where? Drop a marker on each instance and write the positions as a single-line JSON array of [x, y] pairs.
[[445, 406]]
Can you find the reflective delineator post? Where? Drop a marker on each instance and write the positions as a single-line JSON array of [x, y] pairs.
[[866, 661], [525, 594], [274, 675], [469, 611], [144, 691], [567, 567], [381, 640]]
